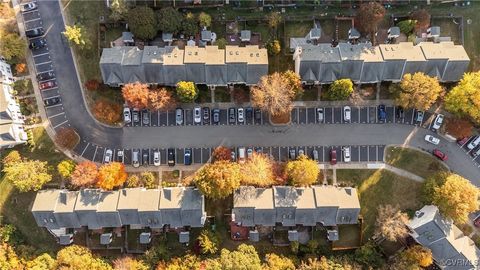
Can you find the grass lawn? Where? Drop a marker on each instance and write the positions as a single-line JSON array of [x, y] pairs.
[[377, 187], [414, 161]]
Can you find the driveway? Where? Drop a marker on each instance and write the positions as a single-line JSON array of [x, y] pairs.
[[305, 131]]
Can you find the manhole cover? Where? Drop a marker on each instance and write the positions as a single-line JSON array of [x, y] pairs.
[[469, 21]]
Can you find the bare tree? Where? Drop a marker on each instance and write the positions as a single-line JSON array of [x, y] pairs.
[[391, 223]]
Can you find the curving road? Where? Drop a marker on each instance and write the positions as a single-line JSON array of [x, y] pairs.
[[96, 137]]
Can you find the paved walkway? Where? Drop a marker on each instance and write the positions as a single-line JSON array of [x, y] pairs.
[[373, 166]]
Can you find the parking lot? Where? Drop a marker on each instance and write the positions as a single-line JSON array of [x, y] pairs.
[[43, 64], [471, 152]]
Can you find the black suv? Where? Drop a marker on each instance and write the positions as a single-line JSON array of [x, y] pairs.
[[37, 44], [45, 76], [51, 101], [36, 32], [171, 156]]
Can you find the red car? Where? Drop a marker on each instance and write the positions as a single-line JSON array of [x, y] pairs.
[[47, 85], [439, 154], [463, 141], [476, 222], [333, 156]]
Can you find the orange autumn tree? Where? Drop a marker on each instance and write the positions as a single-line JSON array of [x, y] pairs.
[[111, 175], [136, 95], [85, 174], [161, 100], [107, 111]]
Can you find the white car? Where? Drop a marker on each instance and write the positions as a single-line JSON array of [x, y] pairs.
[[240, 115], [432, 140], [127, 117], [197, 115], [108, 156], [28, 7], [156, 158], [135, 158], [301, 152], [438, 122], [120, 155], [320, 115], [347, 113], [346, 154]]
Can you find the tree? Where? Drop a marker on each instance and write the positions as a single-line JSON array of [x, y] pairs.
[[148, 180], [369, 256], [136, 95], [464, 99], [325, 264], [12, 46], [406, 26], [258, 171], [340, 89], [459, 128], [186, 262], [133, 181], [8, 258], [421, 18], [431, 184], [142, 22], [66, 168], [67, 137], [218, 180], [208, 242], [368, 18], [93, 84], [302, 172], [204, 19], [28, 175], [274, 47], [161, 100], [221, 43], [11, 158], [273, 94], [85, 174], [391, 223], [20, 68], [79, 258], [294, 81], [77, 35], [129, 263], [274, 19], [456, 198], [244, 257], [189, 25], [413, 258], [111, 175], [42, 262], [186, 91], [278, 262], [107, 111], [118, 10], [222, 153], [169, 20], [418, 91]]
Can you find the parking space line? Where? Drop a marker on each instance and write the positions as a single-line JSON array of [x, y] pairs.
[[368, 115], [306, 115], [94, 154], [394, 115], [60, 124], [43, 63], [104, 150], [53, 88], [158, 118], [368, 154], [359, 150], [430, 124], [413, 116], [50, 70], [376, 153], [42, 54], [333, 113], [359, 113], [323, 154], [28, 12], [58, 114], [84, 149], [32, 20], [167, 118], [54, 106]]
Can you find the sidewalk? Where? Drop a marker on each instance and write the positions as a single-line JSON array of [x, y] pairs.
[[370, 166]]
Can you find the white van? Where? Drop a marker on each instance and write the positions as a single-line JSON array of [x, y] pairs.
[[241, 155], [474, 143]]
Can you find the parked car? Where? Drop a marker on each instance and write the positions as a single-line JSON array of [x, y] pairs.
[[241, 155], [36, 32], [476, 222], [346, 153], [249, 113], [37, 44], [156, 158], [233, 156], [47, 85], [439, 154], [135, 115], [240, 115], [171, 157], [145, 117], [127, 118], [476, 152], [120, 156], [333, 156], [145, 158], [249, 153], [197, 115], [51, 101], [320, 115], [259, 150], [438, 122], [315, 155], [108, 156], [187, 157], [258, 115], [135, 158], [474, 143], [216, 116], [232, 116], [301, 152], [463, 141], [419, 116], [45, 76], [399, 112], [292, 154], [179, 116], [382, 113], [432, 140], [347, 113], [206, 115], [28, 7]]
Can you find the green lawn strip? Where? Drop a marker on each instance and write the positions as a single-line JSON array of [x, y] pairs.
[[414, 161], [377, 187]]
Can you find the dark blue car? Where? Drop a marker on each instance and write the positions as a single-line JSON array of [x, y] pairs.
[[382, 114]]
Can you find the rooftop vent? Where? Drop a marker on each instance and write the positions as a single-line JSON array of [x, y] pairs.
[[231, 53], [196, 53], [237, 53], [189, 53], [258, 55], [251, 55], [419, 214]]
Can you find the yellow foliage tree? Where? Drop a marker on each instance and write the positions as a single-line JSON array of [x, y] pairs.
[[464, 99], [258, 171], [218, 180], [111, 175], [274, 94], [418, 91], [302, 172]]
